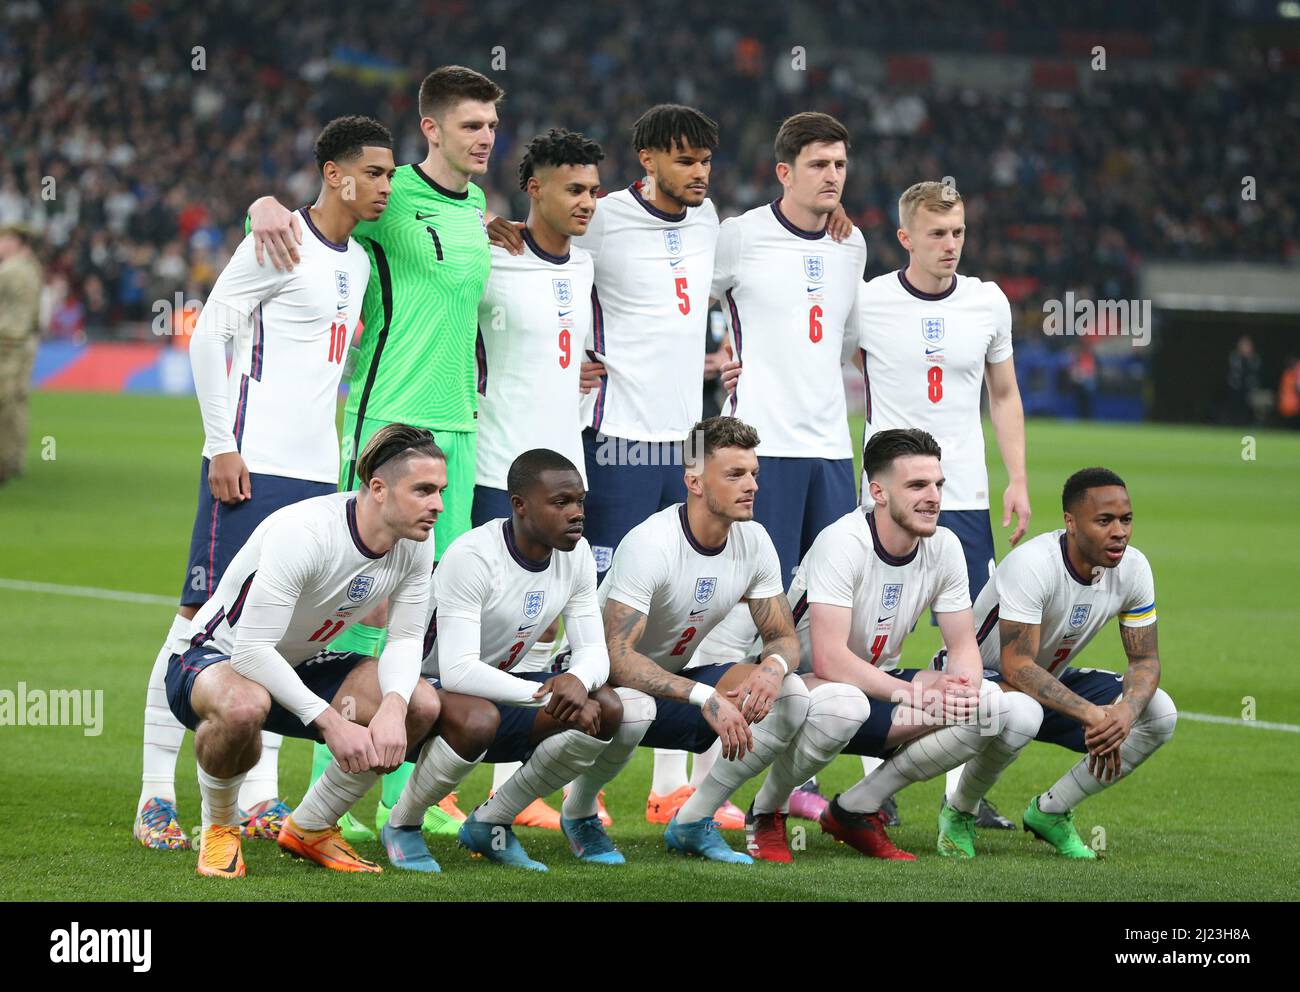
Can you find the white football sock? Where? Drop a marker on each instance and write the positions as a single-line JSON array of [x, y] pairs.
[[1024, 715], [638, 714], [332, 795], [953, 779], [262, 781], [220, 799], [931, 754], [438, 770], [1152, 729], [703, 764], [163, 733], [502, 771], [772, 736], [870, 763], [669, 771], [835, 712], [558, 759]]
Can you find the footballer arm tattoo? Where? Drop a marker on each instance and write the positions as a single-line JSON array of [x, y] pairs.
[[627, 666], [1143, 674], [775, 625], [1020, 642]]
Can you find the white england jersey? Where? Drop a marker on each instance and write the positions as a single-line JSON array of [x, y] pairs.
[[848, 566], [484, 587], [650, 310], [533, 320], [303, 577], [684, 588], [1036, 584], [923, 364], [278, 405], [787, 295]]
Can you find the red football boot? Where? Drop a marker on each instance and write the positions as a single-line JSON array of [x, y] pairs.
[[863, 832]]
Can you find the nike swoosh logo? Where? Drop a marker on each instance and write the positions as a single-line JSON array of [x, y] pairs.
[[883, 619], [814, 289], [932, 351], [420, 216], [234, 863], [699, 613], [529, 627], [565, 313]]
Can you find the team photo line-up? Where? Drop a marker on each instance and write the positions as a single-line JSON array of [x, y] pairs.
[[531, 548]]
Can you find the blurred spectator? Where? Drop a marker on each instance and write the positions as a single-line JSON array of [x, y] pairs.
[[1288, 392], [20, 331], [1083, 377], [1243, 381]]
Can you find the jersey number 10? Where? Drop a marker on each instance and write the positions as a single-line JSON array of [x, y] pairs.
[[338, 342]]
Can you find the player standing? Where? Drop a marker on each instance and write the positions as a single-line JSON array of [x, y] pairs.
[[494, 593], [269, 435], [674, 578], [859, 592], [1043, 605], [416, 363], [533, 319], [787, 291], [257, 655], [929, 339]]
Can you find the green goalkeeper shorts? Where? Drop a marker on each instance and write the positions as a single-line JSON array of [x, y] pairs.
[[461, 449]]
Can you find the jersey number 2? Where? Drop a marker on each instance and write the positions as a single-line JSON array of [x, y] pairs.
[[684, 640]]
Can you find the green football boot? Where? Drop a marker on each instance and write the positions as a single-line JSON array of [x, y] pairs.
[[438, 822], [354, 831], [956, 833], [1058, 830]]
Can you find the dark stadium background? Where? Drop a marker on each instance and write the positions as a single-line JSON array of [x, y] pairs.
[[1075, 178]]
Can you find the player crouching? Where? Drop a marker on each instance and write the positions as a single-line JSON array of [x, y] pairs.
[[496, 590], [858, 593], [257, 657], [1040, 609]]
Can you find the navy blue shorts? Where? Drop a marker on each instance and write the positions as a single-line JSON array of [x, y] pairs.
[[323, 675], [619, 495], [681, 726], [870, 738], [796, 498], [1099, 687], [221, 530], [973, 529], [489, 504], [513, 741]]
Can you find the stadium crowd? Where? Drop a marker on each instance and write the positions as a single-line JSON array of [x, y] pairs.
[[134, 136]]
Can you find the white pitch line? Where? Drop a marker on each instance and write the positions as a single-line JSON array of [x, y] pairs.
[[87, 592], [1233, 721]]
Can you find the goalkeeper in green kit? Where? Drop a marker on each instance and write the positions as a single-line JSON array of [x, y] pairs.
[[429, 261]]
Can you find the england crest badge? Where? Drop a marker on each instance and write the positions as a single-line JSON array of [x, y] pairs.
[[360, 588], [814, 268], [341, 284], [891, 595], [533, 604], [563, 291], [704, 589], [932, 329], [673, 241], [1079, 615]]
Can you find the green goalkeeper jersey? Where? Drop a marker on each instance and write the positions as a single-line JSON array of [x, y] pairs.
[[429, 261]]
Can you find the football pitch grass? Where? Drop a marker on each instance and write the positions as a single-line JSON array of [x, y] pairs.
[[108, 501]]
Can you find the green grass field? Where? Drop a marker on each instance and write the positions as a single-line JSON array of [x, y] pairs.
[[1212, 816]]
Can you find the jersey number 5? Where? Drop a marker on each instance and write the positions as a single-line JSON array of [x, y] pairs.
[[684, 304]]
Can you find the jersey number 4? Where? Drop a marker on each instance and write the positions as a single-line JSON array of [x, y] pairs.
[[338, 342], [878, 647]]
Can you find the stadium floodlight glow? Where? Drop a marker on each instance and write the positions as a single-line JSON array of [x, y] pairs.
[[1288, 8]]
